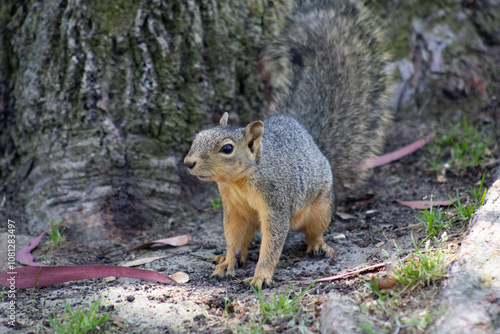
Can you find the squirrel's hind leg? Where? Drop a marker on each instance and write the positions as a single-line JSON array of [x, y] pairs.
[[315, 222]]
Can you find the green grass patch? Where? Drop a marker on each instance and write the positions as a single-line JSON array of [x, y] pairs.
[[281, 304], [422, 266], [216, 204], [467, 208], [81, 320], [433, 220], [479, 193], [55, 232], [461, 147]]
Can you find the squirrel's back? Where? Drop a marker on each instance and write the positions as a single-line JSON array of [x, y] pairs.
[[291, 163], [326, 69]]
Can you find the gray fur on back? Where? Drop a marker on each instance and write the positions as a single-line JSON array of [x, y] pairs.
[[291, 163]]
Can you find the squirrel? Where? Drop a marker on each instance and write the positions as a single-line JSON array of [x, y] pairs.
[[328, 112]]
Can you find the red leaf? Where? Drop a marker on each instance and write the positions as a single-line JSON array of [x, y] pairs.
[[29, 277], [423, 204], [24, 255], [390, 157], [174, 241]]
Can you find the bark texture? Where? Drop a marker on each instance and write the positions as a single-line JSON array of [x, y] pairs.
[[99, 100]]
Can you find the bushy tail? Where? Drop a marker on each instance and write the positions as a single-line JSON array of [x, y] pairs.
[[326, 69]]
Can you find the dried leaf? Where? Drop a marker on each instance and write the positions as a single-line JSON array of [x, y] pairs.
[[174, 241], [346, 216], [385, 282], [424, 204], [29, 277], [144, 260], [180, 277], [441, 179]]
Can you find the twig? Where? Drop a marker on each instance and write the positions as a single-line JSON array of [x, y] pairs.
[[350, 273], [354, 272]]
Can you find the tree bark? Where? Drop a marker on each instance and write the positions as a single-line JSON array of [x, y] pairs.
[[99, 100]]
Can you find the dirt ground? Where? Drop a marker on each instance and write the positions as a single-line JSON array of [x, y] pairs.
[[198, 305]]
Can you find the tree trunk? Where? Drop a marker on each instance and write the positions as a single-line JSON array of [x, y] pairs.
[[99, 100]]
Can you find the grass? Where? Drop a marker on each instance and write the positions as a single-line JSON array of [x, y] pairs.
[[280, 304], [417, 272], [255, 327], [80, 321], [466, 209], [227, 304], [418, 321], [419, 269], [461, 147], [433, 220], [55, 232], [478, 193], [423, 266], [216, 204]]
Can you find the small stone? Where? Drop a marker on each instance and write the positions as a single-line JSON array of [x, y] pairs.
[[130, 298]]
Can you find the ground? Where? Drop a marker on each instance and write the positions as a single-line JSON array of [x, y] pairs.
[[209, 305]]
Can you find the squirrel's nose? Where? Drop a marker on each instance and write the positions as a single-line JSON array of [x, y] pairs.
[[189, 164]]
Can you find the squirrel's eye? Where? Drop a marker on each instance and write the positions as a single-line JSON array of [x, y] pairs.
[[227, 149]]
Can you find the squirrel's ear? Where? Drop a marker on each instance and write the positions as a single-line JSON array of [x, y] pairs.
[[253, 133], [223, 119]]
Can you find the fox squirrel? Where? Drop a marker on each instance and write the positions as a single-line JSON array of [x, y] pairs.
[[328, 112]]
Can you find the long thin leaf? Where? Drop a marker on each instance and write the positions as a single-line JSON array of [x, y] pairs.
[[29, 277], [398, 154], [24, 255]]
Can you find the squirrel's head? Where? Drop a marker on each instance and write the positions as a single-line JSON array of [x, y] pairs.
[[225, 153]]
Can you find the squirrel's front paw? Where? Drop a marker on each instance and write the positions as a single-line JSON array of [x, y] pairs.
[[224, 267], [261, 282], [262, 278]]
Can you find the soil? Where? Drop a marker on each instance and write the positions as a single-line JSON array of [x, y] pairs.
[[209, 305]]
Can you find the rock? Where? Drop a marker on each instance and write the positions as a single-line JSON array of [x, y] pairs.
[[339, 316], [471, 296]]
